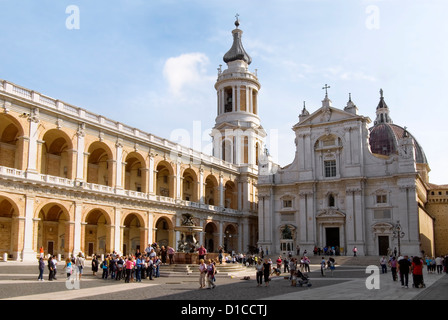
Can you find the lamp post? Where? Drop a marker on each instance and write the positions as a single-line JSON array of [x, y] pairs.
[[398, 234]]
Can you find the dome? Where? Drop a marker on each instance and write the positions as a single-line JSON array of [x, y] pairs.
[[384, 140], [237, 51]]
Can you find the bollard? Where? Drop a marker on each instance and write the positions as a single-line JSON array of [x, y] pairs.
[[5, 257]]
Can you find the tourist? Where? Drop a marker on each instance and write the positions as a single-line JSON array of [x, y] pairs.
[[51, 269], [94, 264], [163, 254], [266, 271], [259, 273], [171, 252], [150, 268], [383, 263], [331, 265], [404, 266], [113, 265], [68, 267], [105, 267], [439, 264], [80, 261], [41, 269], [306, 263], [157, 263], [120, 265], [41, 251], [129, 267], [285, 265], [211, 269], [393, 267], [292, 267], [202, 252], [355, 251], [323, 265], [220, 254], [138, 272], [202, 273], [417, 272]]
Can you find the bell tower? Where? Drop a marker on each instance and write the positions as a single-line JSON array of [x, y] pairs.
[[237, 134]]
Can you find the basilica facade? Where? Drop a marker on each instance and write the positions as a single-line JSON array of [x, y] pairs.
[[351, 185]]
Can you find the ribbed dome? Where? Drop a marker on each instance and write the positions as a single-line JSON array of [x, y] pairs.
[[384, 140], [237, 51]]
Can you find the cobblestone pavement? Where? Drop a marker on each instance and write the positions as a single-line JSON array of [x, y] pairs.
[[19, 282]]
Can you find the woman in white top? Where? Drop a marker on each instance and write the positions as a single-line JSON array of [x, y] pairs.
[[259, 268]]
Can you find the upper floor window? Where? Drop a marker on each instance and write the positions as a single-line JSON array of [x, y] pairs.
[[287, 203], [330, 168], [381, 198]]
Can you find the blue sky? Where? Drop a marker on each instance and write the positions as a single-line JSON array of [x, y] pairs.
[[153, 64]]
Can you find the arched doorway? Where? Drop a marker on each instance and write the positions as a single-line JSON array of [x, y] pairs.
[[163, 232], [211, 239], [8, 227], [97, 233], [230, 239], [53, 230], [133, 234]]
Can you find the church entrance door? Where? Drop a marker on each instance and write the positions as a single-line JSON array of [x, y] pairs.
[[332, 237], [383, 245]]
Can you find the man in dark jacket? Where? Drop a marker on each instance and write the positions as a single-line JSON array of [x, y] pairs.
[[404, 266]]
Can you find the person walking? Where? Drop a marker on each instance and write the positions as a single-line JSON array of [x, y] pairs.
[[266, 271], [393, 267], [439, 264], [355, 251], [41, 269], [323, 266], [259, 273], [210, 274], [202, 273], [404, 266], [51, 269], [68, 267], [80, 262], [417, 272], [383, 263], [171, 254], [94, 264]]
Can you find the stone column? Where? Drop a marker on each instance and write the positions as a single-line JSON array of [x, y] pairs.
[[28, 254], [32, 147], [80, 157], [77, 228], [117, 243]]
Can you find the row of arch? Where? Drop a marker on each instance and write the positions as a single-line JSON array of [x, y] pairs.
[[54, 231], [57, 157]]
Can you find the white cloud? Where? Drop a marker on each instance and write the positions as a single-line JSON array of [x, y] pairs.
[[187, 71]]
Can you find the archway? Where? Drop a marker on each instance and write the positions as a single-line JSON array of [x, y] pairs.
[[230, 238], [189, 186], [53, 230], [164, 231], [55, 158], [135, 176], [9, 227], [211, 191], [231, 196], [11, 147], [211, 239], [164, 180], [133, 234], [99, 165], [97, 233]]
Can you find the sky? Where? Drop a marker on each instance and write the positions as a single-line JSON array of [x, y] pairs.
[[153, 64]]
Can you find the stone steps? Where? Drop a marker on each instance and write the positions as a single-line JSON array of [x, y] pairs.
[[181, 270]]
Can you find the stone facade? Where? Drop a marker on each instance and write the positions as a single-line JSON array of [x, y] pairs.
[[338, 193]]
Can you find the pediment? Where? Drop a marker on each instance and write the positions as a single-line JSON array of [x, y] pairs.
[[330, 214], [326, 115]]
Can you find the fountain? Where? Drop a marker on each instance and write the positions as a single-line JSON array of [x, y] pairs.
[[187, 244]]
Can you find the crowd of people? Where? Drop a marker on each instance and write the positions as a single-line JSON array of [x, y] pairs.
[[130, 268], [403, 266]]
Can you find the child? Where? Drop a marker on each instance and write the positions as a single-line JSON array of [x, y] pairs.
[[68, 267]]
